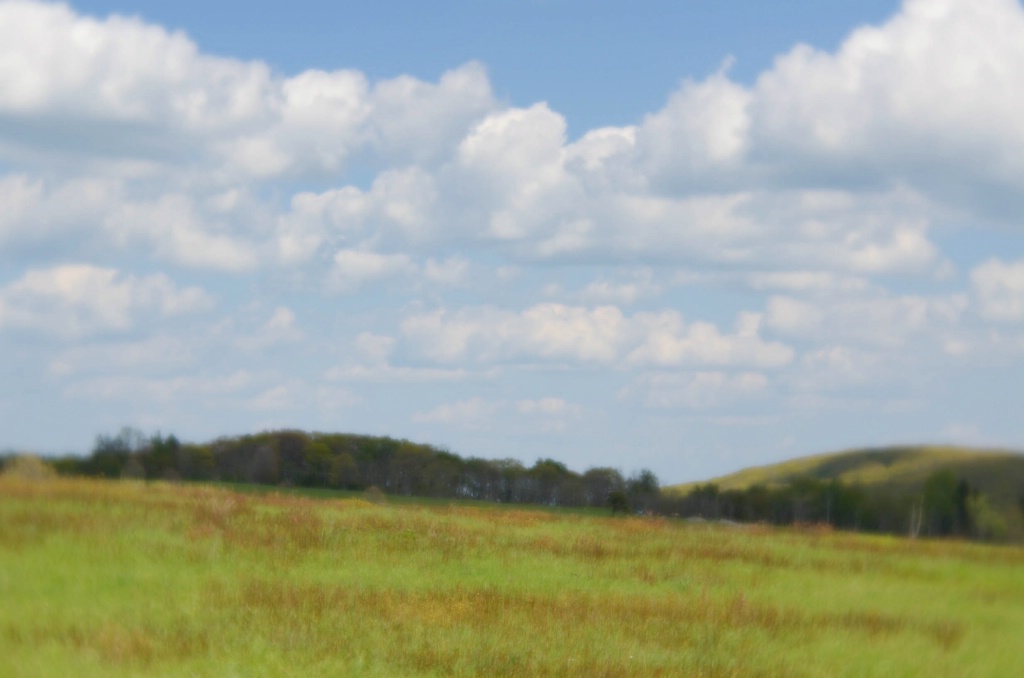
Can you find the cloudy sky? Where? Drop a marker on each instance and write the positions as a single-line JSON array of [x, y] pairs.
[[685, 236]]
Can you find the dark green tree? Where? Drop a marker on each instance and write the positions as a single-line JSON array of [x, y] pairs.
[[643, 489], [940, 503], [618, 502]]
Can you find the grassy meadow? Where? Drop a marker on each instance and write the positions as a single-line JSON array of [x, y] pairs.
[[125, 578]]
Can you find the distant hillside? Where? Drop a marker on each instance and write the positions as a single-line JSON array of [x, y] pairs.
[[997, 473]]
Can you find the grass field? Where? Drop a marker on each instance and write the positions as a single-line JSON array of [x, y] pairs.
[[125, 578]]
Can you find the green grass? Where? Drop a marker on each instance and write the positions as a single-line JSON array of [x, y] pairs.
[[125, 578], [402, 500]]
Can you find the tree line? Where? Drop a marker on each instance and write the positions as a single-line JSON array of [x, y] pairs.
[[945, 506], [358, 462]]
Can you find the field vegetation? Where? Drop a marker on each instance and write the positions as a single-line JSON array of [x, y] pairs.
[[128, 577], [930, 491]]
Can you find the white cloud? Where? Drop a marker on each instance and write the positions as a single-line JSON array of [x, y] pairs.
[[398, 207], [98, 214], [873, 318], [318, 125], [999, 290], [174, 225], [548, 331], [602, 335], [420, 122], [932, 95], [514, 162], [703, 130], [122, 86], [56, 65], [698, 181], [668, 342], [354, 268], [809, 192], [76, 300], [36, 211]]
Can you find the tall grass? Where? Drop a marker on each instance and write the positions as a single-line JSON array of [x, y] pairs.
[[127, 578]]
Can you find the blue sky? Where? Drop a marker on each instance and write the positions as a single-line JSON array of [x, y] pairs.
[[685, 236]]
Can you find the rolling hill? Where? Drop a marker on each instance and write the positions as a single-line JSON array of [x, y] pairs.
[[997, 473]]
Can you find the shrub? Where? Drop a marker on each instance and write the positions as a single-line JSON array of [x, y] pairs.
[[28, 467]]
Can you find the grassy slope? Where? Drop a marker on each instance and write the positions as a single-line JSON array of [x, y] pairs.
[[124, 578], [999, 474]]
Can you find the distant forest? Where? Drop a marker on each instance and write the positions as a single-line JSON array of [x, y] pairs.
[[944, 506], [357, 462]]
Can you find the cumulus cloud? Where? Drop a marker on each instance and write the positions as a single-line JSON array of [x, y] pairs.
[[320, 119], [397, 208], [601, 335], [807, 193], [123, 85], [76, 300], [702, 133], [669, 342], [550, 331], [829, 161], [930, 96], [134, 89], [94, 214]]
